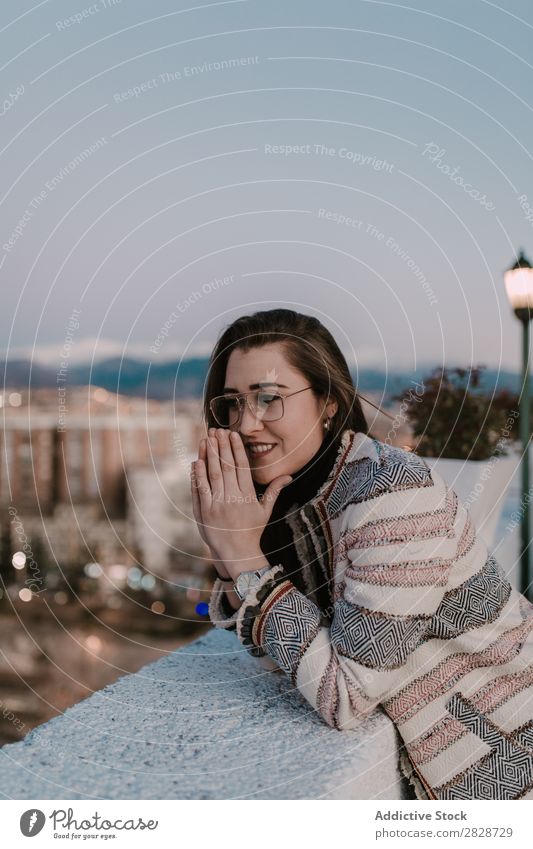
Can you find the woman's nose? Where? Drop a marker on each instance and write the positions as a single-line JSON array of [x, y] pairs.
[[249, 421]]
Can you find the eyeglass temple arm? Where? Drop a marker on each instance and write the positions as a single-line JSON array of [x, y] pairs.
[[368, 401]]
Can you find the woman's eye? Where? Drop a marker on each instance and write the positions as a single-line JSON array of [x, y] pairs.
[[268, 399]]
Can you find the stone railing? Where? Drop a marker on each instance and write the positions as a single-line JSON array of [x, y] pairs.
[[210, 722], [205, 722]]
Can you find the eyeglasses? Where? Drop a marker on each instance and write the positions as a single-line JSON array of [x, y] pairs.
[[227, 410]]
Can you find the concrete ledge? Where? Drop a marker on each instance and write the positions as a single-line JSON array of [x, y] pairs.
[[205, 722]]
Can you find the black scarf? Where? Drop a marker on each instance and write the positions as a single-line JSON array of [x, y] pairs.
[[277, 541]]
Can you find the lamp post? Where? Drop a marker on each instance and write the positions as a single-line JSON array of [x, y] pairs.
[[519, 286]]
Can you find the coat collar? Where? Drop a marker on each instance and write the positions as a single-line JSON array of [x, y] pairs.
[[315, 514], [353, 445]]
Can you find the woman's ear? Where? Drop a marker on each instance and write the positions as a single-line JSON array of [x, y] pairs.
[[331, 407]]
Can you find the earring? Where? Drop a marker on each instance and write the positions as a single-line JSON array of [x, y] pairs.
[[326, 424]]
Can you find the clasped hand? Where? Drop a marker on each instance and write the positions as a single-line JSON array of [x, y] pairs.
[[230, 518]]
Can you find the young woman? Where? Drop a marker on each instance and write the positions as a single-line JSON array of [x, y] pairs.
[[353, 567]]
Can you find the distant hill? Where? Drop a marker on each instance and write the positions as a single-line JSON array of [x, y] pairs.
[[166, 380]]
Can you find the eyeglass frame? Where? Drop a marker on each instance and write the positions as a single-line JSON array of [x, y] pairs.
[[245, 395]]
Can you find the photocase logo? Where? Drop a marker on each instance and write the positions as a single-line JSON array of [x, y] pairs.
[[32, 822]]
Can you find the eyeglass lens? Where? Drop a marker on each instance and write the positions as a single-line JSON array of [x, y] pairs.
[[267, 406]]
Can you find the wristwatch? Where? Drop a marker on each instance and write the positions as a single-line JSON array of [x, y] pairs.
[[247, 580]]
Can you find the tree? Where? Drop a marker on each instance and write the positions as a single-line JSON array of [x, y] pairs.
[[454, 417]]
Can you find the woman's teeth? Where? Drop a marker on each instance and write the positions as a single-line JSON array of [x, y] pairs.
[[260, 449]]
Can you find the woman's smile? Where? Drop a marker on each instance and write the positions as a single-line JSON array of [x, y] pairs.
[[260, 449]]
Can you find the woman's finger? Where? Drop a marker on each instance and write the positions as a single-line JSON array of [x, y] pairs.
[[202, 450], [213, 470], [195, 483], [244, 474], [203, 488], [196, 504], [196, 507], [227, 462]]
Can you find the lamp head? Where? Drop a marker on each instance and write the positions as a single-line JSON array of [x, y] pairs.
[[519, 287]]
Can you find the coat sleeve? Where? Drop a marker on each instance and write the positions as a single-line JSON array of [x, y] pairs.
[[391, 578], [221, 613]]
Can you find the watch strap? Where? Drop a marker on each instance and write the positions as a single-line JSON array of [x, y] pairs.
[[224, 580]]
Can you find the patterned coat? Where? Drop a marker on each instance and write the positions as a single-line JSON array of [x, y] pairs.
[[422, 621]]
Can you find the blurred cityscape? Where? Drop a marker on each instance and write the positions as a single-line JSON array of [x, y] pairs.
[[101, 565]]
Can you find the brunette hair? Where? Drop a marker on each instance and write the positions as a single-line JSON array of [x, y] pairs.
[[308, 346]]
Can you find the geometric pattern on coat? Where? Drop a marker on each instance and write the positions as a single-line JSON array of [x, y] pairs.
[[501, 773], [365, 479]]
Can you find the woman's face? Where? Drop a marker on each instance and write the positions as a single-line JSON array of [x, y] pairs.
[[295, 437]]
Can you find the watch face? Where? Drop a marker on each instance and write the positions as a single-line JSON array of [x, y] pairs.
[[246, 580]]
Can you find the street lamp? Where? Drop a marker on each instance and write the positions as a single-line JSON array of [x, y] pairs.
[[519, 287]]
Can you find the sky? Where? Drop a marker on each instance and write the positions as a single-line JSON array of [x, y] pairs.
[[168, 167]]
